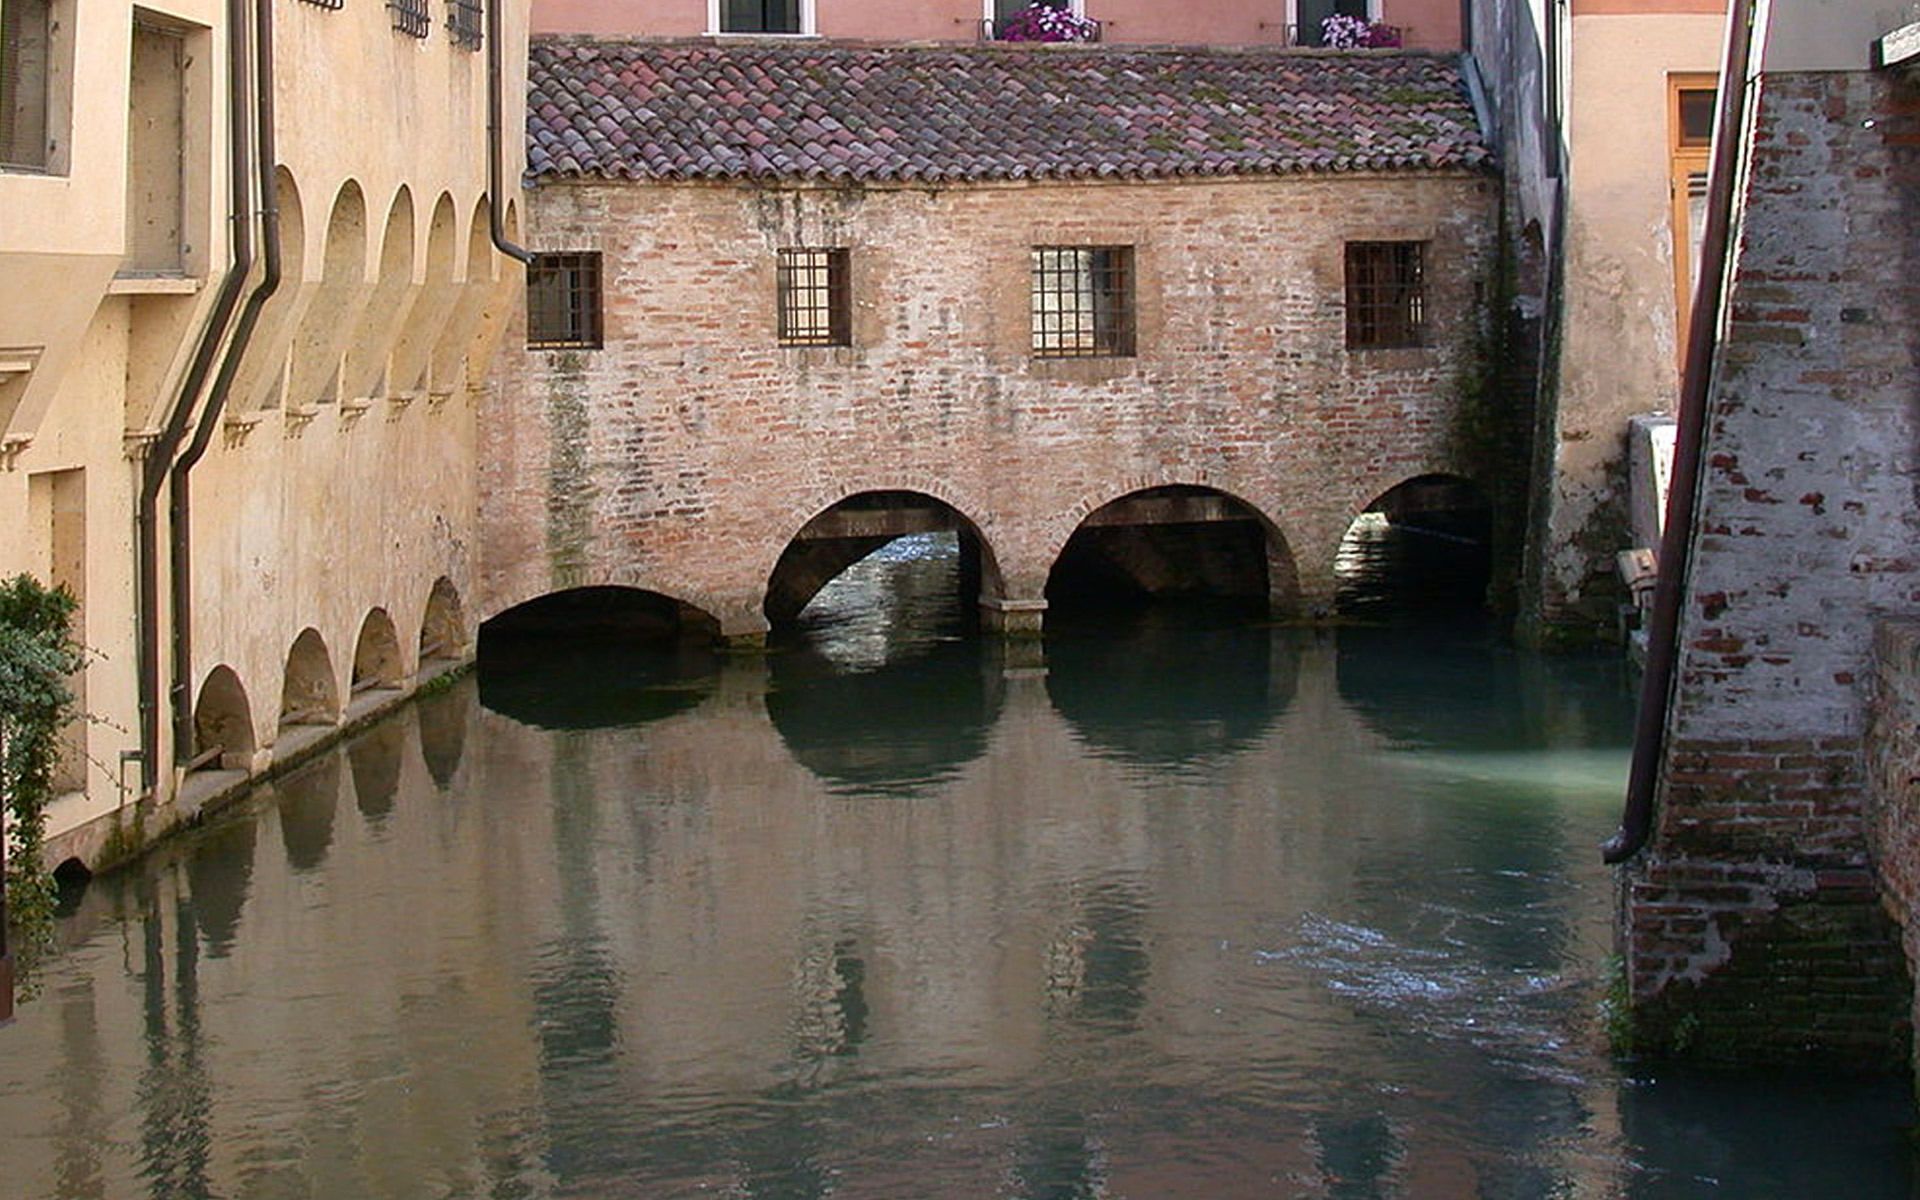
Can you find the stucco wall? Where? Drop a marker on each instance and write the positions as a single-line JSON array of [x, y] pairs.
[[1618, 354], [683, 456], [304, 514], [1429, 24]]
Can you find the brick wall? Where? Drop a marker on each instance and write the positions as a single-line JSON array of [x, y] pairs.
[[1753, 920], [684, 456], [1893, 777]]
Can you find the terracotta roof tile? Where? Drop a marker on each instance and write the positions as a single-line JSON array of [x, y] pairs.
[[678, 110]]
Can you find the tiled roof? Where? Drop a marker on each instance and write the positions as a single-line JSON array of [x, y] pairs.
[[707, 110]]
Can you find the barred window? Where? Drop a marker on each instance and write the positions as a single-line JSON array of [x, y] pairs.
[[333, 4], [410, 17], [563, 301], [1386, 295], [815, 304], [26, 57], [1082, 301], [466, 23]]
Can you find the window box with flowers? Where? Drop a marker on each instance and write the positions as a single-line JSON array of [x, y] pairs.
[[1357, 33], [1043, 21]]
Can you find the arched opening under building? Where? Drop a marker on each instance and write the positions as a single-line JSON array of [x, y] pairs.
[[1423, 550], [376, 656], [1197, 549], [878, 688], [596, 657], [309, 695], [898, 560], [222, 723]]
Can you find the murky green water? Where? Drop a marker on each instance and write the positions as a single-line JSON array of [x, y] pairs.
[[893, 912]]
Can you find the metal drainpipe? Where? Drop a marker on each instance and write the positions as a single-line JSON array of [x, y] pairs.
[[179, 500], [496, 209], [160, 456], [1676, 539]]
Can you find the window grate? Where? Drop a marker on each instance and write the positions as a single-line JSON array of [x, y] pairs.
[[332, 4], [1082, 301], [760, 16], [1386, 295], [815, 302], [26, 57], [564, 301], [466, 23], [410, 17]]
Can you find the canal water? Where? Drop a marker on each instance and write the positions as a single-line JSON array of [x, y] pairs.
[[1162, 907]]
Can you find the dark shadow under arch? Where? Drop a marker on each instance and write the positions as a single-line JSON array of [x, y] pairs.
[[376, 656], [443, 627], [596, 657], [1178, 543], [1421, 550], [309, 695]]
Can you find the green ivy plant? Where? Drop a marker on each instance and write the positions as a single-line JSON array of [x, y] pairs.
[[37, 656]]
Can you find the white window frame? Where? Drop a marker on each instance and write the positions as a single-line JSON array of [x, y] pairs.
[[808, 27], [1078, 7]]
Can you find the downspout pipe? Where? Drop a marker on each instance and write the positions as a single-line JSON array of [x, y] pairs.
[[159, 459], [496, 70], [179, 497], [1696, 386]]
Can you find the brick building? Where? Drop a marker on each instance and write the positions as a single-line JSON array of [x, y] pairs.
[[1020, 290], [1783, 836]]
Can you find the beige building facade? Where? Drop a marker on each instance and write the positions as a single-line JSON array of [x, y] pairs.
[[248, 285]]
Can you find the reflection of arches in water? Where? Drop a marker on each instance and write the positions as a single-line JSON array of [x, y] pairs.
[[595, 658], [442, 718], [1423, 548], [308, 796], [1359, 1153], [219, 872], [374, 758], [897, 729], [1179, 543], [1164, 695], [851, 529], [1097, 967]]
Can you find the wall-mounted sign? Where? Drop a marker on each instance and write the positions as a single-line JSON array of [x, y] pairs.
[[1898, 46]]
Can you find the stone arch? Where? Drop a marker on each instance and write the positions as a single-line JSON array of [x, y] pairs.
[[263, 375], [432, 307], [309, 693], [1423, 545], [385, 305], [1172, 540], [839, 534], [464, 327], [639, 647], [376, 655], [333, 304], [223, 717], [443, 626]]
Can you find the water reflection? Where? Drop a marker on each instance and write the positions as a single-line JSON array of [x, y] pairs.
[[1348, 944], [558, 682], [1152, 689]]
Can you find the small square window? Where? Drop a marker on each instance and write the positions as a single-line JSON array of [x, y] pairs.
[[815, 304], [410, 17], [1082, 301], [563, 301], [466, 23], [1386, 295]]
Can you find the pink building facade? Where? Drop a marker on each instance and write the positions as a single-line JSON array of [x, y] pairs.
[[1423, 24]]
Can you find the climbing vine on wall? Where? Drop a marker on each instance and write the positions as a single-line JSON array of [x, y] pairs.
[[37, 656]]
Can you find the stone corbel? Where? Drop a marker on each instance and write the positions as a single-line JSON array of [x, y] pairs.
[[352, 410], [437, 400], [398, 403], [297, 418], [236, 426], [136, 444], [10, 448]]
